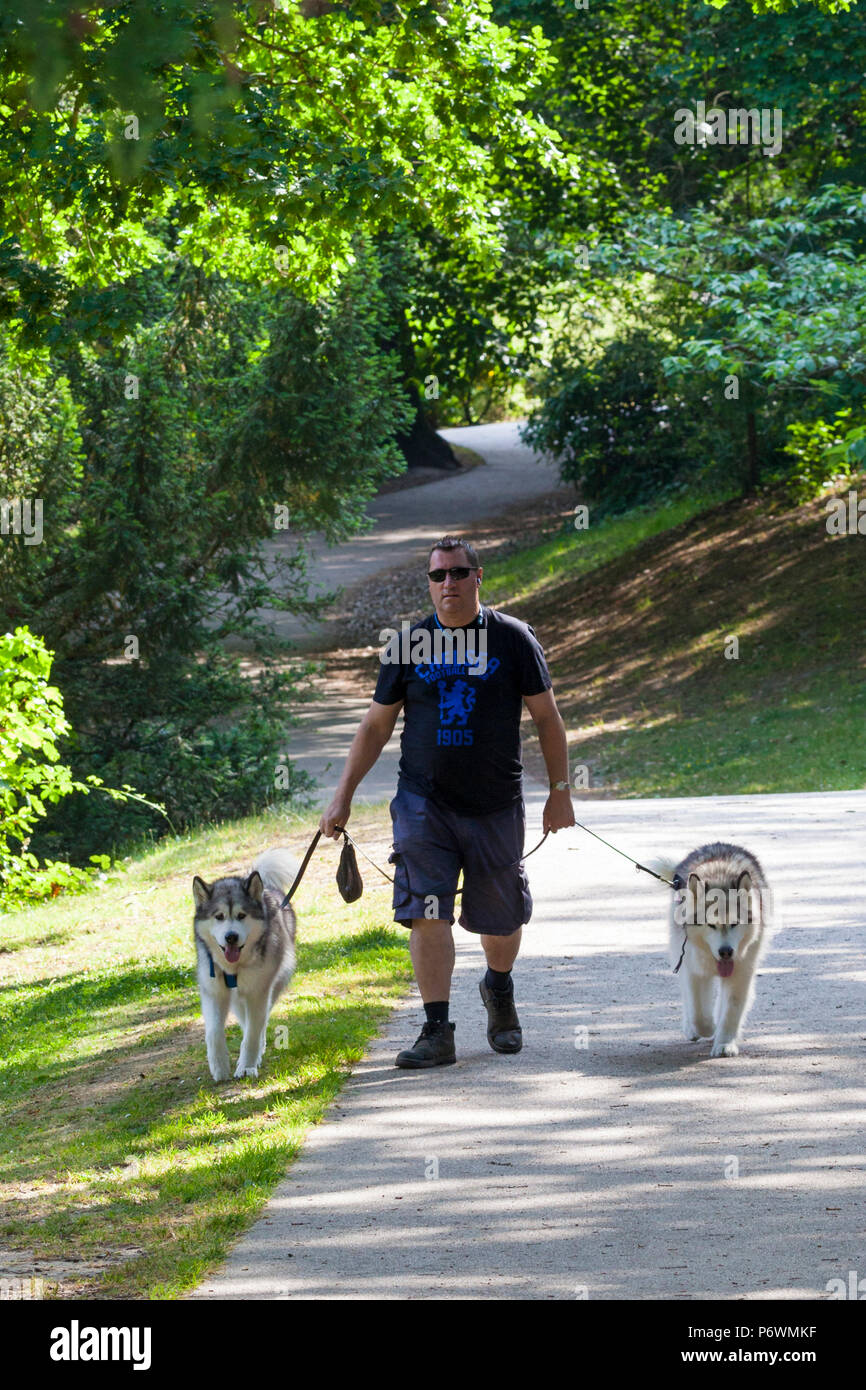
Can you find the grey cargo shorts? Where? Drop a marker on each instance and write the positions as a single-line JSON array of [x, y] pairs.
[[433, 843]]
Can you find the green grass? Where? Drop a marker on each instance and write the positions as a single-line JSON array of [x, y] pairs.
[[115, 1139], [524, 574], [635, 615], [814, 740]]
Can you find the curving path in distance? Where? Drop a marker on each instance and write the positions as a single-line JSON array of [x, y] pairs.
[[405, 523]]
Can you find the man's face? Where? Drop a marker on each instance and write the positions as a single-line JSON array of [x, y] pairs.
[[455, 600]]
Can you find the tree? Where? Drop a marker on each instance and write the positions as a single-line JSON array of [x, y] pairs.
[[262, 137], [226, 420], [783, 299]]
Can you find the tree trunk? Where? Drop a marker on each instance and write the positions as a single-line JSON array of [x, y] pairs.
[[421, 447]]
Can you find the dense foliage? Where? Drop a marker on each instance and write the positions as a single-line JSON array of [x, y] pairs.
[[187, 465], [250, 252], [32, 776]]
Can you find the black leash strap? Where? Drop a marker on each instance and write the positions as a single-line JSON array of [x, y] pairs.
[[538, 846], [514, 862], [675, 883], [348, 839]]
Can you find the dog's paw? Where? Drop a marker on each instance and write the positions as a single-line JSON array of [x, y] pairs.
[[728, 1049], [696, 1028], [221, 1073], [245, 1071]]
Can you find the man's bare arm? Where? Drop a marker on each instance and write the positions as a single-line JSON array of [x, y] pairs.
[[375, 729], [558, 813]]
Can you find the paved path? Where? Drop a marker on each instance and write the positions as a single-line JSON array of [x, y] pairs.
[[607, 1172], [406, 522], [318, 744]]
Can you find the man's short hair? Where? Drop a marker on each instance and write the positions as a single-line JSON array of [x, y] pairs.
[[455, 543]]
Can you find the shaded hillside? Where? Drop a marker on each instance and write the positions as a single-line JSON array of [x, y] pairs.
[[637, 647]]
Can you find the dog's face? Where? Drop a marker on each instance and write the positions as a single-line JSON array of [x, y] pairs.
[[229, 917], [720, 914]]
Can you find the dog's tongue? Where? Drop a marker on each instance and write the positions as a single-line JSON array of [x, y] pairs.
[[725, 967], [233, 953]]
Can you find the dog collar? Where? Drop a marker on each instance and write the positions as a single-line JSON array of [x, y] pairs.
[[231, 980]]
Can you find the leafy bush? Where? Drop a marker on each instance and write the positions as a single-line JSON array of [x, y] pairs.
[[208, 747], [32, 777], [619, 430], [824, 452]]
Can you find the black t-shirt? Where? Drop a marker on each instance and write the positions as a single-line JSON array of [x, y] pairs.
[[461, 732]]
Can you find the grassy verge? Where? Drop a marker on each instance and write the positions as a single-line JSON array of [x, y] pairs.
[[638, 617], [126, 1171], [526, 573]]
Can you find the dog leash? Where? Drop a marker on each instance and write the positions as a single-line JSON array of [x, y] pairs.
[[303, 869], [675, 883], [347, 839]]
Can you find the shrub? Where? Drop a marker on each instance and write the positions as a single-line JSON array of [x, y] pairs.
[[620, 431], [823, 452], [32, 776]]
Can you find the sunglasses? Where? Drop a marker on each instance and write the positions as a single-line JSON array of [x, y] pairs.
[[456, 572]]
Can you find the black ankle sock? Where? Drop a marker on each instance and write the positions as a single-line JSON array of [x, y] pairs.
[[499, 980], [438, 1012]]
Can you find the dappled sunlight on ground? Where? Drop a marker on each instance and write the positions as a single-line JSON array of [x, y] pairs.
[[622, 1159]]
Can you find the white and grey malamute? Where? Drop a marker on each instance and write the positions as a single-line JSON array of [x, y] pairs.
[[246, 955], [719, 924]]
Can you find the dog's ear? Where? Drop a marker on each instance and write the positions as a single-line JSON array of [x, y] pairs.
[[745, 881], [254, 887], [695, 911], [200, 891]]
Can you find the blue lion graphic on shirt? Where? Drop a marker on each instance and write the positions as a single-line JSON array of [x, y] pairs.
[[455, 703]]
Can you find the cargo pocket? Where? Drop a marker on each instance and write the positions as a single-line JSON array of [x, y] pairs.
[[401, 895], [526, 896]]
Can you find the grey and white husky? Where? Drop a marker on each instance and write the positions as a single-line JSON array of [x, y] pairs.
[[720, 920], [246, 955]]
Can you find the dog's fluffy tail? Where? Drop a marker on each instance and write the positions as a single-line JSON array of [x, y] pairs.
[[662, 865], [277, 869]]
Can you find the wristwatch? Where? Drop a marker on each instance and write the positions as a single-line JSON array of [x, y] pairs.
[[559, 786]]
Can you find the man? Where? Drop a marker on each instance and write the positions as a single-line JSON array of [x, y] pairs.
[[459, 801]]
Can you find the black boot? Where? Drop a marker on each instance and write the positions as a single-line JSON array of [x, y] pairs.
[[434, 1047], [503, 1026]]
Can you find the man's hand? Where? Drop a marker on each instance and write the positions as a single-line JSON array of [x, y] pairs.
[[558, 811], [337, 814]]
